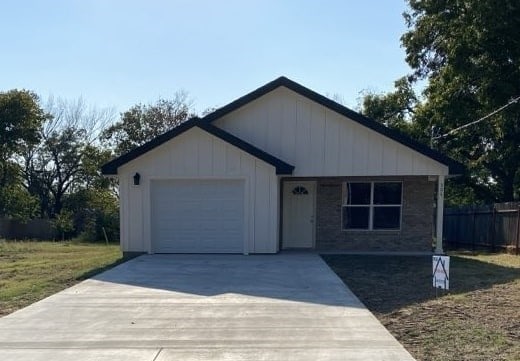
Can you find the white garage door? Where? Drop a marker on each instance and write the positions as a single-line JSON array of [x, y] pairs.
[[197, 216]]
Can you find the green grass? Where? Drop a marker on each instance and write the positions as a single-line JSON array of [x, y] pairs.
[[30, 271], [478, 319]]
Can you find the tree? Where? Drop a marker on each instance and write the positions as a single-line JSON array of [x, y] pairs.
[[59, 163], [21, 119], [469, 52], [95, 205], [64, 161], [95, 212], [394, 109], [141, 123], [77, 114], [17, 203], [50, 164], [63, 223]]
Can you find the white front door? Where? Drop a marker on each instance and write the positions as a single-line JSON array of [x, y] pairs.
[[298, 214]]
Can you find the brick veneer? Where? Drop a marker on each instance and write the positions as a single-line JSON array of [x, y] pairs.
[[416, 226]]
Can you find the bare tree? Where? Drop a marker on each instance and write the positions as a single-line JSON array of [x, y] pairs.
[[77, 114], [63, 160]]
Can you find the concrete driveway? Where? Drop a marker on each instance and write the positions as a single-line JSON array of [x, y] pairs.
[[202, 307]]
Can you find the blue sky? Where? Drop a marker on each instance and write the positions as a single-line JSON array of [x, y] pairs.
[[119, 53]]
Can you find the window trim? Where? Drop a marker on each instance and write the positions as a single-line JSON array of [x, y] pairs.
[[371, 207]]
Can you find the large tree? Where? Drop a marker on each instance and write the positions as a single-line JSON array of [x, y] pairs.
[[394, 109], [21, 119], [469, 52], [142, 123], [68, 157]]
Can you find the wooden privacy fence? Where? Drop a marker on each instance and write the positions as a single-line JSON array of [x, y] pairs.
[[494, 228], [32, 229]]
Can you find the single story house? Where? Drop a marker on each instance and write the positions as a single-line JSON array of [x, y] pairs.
[[282, 167]]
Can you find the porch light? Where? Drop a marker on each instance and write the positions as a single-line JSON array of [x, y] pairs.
[[137, 178]]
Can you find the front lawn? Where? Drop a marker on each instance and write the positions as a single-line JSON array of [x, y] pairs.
[[479, 319], [30, 271]]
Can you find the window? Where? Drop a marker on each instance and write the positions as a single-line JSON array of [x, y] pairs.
[[372, 205], [299, 190]]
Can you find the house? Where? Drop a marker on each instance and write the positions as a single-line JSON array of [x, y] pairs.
[[280, 168]]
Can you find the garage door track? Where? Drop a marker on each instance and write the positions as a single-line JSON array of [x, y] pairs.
[[289, 306]]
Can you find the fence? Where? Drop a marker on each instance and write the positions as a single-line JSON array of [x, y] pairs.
[[494, 228], [33, 229]]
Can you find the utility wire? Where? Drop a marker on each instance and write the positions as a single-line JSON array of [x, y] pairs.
[[512, 101]]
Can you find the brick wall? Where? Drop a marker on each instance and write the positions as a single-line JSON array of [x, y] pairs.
[[416, 224]]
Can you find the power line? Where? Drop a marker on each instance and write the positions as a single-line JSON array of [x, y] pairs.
[[512, 101]]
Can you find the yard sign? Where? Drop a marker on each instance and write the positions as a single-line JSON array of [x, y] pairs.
[[441, 272]]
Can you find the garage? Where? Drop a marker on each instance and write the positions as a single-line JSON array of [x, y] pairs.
[[197, 216], [198, 189]]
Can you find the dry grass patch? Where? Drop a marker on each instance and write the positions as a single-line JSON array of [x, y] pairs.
[[30, 271], [479, 319]]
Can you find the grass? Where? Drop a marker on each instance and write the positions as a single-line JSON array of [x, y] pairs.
[[478, 319], [30, 271]]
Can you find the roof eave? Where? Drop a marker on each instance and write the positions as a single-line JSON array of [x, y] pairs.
[[281, 167], [394, 134]]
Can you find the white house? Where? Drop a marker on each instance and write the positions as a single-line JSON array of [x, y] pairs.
[[281, 167]]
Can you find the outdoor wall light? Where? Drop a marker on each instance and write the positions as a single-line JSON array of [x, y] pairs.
[[137, 178]]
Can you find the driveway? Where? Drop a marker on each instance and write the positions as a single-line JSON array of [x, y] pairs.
[[289, 306]]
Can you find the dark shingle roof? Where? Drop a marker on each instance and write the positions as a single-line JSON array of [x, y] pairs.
[[454, 166], [281, 166]]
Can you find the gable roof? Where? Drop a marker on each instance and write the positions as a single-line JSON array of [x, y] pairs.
[[454, 166], [281, 166]]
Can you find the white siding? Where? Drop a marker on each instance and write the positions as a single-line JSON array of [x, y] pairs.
[[198, 154], [320, 142]]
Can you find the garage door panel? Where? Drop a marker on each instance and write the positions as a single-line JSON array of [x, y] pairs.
[[197, 216]]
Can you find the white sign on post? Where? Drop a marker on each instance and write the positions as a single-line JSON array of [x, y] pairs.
[[441, 272]]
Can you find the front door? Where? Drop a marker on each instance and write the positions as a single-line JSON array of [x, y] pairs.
[[298, 214]]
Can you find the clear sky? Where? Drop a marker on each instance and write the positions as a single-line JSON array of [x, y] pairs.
[[119, 53]]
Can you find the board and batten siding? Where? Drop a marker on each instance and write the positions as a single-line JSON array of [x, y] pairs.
[[197, 154], [320, 142]]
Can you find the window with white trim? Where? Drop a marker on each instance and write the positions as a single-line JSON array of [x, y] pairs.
[[372, 205]]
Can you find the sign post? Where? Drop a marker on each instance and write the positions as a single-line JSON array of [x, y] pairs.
[[441, 272]]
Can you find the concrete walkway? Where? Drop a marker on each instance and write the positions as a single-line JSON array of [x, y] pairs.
[[202, 307]]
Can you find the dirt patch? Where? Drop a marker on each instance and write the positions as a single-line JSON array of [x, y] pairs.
[[479, 319]]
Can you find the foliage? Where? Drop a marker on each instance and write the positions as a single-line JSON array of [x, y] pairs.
[[58, 165], [90, 173], [142, 123], [21, 118], [16, 202], [63, 223], [394, 109], [469, 51], [68, 159], [50, 159], [95, 210]]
